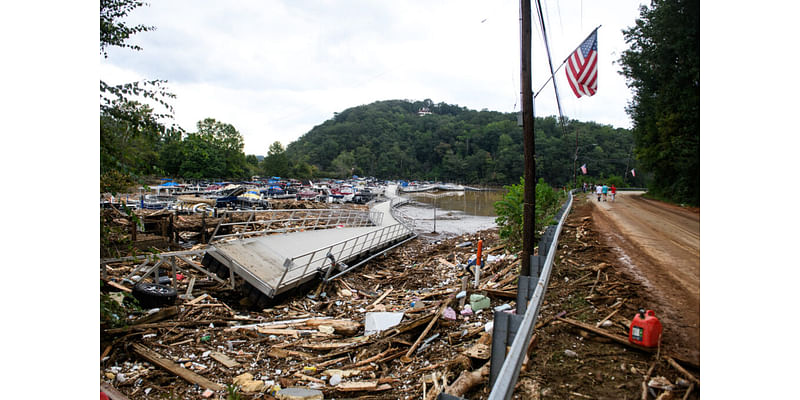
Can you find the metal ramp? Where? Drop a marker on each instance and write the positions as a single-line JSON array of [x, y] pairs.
[[277, 263]]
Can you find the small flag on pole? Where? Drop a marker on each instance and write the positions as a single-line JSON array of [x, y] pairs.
[[582, 67], [583, 169], [633, 173]]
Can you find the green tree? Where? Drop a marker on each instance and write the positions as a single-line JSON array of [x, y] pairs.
[[662, 66], [344, 164], [276, 163]]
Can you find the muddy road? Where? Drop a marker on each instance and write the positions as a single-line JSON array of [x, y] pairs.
[[660, 245]]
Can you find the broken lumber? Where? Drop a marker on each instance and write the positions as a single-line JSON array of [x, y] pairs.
[[445, 304], [170, 366], [161, 314], [357, 386], [224, 360], [112, 392], [682, 370]]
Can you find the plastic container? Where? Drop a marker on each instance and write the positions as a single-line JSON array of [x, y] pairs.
[[645, 329]]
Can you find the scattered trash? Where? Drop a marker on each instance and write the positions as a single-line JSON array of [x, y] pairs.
[[208, 393], [570, 353], [478, 302], [464, 244], [247, 383], [467, 310], [606, 324], [503, 307], [461, 294], [449, 313], [335, 380], [380, 321], [297, 393], [489, 326]]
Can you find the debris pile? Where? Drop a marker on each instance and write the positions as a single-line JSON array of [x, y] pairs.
[[406, 325]]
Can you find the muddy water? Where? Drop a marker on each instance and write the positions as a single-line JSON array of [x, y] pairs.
[[451, 213]]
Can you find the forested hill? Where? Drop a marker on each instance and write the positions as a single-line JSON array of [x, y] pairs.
[[390, 139]]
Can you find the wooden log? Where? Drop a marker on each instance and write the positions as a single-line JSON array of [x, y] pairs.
[[165, 325], [383, 296], [170, 366], [341, 326], [467, 380]]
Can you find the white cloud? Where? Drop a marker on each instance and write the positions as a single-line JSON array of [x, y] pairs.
[[274, 69]]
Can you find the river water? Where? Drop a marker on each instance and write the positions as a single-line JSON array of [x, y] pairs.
[[451, 213]]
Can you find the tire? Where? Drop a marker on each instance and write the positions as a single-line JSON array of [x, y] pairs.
[[152, 295]]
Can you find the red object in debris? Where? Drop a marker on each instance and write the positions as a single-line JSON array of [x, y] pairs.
[[480, 249], [104, 396], [645, 329], [180, 277]]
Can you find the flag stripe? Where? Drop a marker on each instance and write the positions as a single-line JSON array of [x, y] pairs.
[[581, 68]]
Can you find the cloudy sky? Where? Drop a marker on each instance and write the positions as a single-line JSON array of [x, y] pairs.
[[275, 69]]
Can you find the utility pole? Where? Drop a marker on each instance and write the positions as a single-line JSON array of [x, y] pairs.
[[529, 199]]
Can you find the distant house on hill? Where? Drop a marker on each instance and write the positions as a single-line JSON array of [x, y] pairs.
[[424, 111]]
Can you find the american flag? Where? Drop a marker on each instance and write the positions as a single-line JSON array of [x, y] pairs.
[[582, 67], [583, 169], [633, 173]]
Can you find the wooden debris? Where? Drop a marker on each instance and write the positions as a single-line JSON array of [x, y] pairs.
[[197, 300], [308, 378], [225, 360], [682, 370], [467, 380], [357, 386], [112, 392], [162, 314], [445, 304], [646, 377], [170, 366], [119, 286], [479, 351]]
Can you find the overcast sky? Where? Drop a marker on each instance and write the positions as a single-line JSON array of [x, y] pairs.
[[275, 69]]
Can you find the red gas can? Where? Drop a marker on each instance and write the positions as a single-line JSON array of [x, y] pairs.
[[645, 329]]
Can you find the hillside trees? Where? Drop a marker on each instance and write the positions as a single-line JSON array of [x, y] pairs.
[[388, 139], [662, 66]]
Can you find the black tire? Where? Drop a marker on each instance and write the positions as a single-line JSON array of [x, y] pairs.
[[152, 295]]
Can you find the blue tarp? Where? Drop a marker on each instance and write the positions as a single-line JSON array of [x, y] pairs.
[[169, 184]]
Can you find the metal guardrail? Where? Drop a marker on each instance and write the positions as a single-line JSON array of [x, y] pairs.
[[341, 251], [283, 221], [503, 386]]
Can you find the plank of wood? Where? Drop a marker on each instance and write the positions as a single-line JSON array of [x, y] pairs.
[[197, 300], [112, 392], [118, 286], [171, 324], [161, 314], [501, 293], [225, 360], [357, 386], [383, 296], [170, 366]]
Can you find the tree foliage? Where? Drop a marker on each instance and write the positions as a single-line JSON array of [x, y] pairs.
[[510, 211], [662, 66], [388, 139]]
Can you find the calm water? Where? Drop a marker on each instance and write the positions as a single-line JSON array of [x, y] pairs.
[[455, 213], [471, 203]]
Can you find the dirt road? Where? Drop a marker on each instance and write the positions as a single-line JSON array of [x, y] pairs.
[[660, 244]]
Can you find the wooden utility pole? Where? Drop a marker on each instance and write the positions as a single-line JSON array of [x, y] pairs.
[[529, 199]]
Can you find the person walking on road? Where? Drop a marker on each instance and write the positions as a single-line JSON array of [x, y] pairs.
[[605, 192], [613, 192], [599, 191]]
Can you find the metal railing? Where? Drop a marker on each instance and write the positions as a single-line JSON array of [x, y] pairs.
[[283, 221], [503, 386], [400, 216], [342, 252]]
